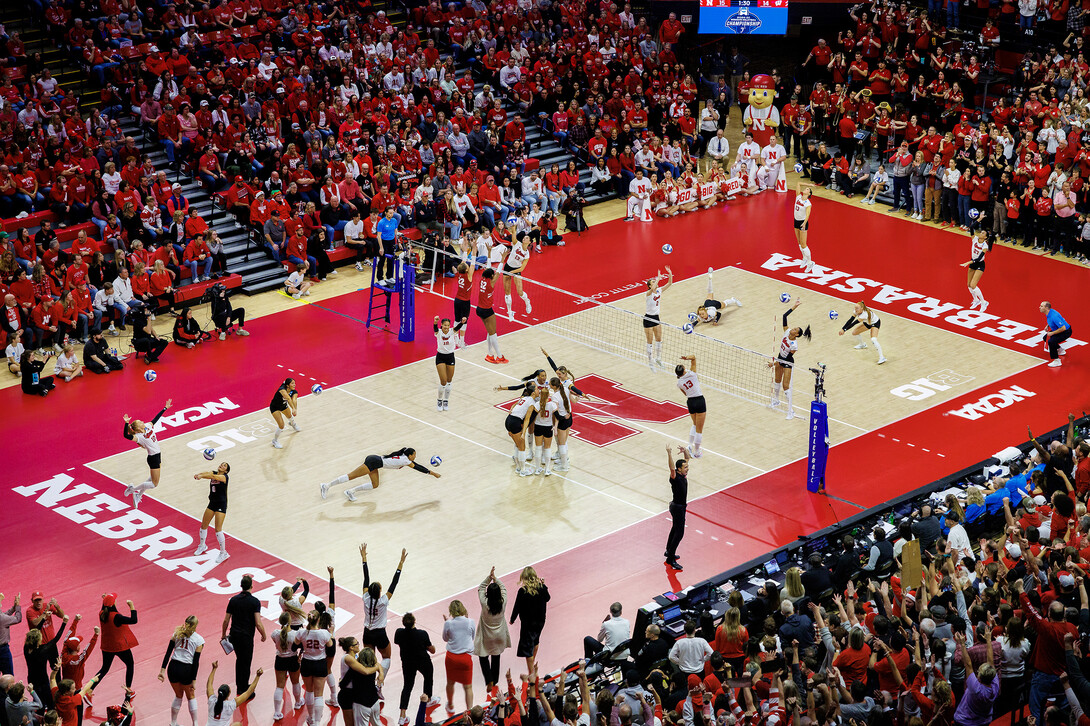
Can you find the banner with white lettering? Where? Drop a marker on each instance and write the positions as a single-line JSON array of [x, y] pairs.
[[685, 195], [707, 191]]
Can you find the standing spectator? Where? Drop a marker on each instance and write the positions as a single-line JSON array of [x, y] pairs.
[[243, 617], [1048, 658], [14, 615], [981, 687], [40, 615], [117, 640], [492, 636], [36, 652], [458, 634], [690, 653], [416, 649], [900, 168], [530, 604]]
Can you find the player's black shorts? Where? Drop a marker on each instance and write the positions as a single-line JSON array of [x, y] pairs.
[[461, 309], [545, 431], [373, 462], [696, 404], [484, 313], [181, 673], [563, 423], [513, 424], [155, 461], [651, 321], [286, 663], [376, 638], [313, 668], [218, 504], [508, 270], [868, 326], [802, 224], [446, 359], [977, 266]]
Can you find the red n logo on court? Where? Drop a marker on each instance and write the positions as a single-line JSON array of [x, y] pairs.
[[603, 415]]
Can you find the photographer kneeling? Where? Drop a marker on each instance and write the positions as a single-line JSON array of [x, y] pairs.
[[223, 314]]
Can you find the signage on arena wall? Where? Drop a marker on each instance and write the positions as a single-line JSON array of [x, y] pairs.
[[601, 418], [914, 304]]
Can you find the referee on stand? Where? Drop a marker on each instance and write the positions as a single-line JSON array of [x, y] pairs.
[[679, 486], [1056, 331]]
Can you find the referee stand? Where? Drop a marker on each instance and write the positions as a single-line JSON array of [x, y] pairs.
[[381, 294], [818, 450]]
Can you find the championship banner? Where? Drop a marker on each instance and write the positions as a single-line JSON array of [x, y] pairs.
[[685, 196], [707, 191], [734, 185]]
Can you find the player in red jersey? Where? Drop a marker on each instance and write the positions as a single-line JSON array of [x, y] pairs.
[[488, 316], [463, 297]]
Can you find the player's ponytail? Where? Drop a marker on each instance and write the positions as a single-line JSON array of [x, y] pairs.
[[989, 238], [287, 382], [186, 629], [221, 696], [529, 389], [407, 451], [555, 383], [805, 333], [285, 628]]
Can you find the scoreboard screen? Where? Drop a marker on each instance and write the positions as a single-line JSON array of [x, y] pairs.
[[743, 17]]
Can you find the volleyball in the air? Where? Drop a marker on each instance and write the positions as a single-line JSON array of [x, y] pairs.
[[316, 389], [209, 453], [693, 317], [785, 297], [436, 460], [150, 376], [974, 213], [798, 168], [687, 328], [833, 315], [667, 249]]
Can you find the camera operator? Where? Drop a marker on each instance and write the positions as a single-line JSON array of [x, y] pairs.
[[223, 314], [30, 367]]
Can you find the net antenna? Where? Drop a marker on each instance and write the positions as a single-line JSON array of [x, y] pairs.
[[605, 327]]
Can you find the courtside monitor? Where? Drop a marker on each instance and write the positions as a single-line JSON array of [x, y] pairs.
[[743, 17]]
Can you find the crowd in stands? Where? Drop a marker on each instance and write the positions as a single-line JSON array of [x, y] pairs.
[[966, 129], [998, 622]]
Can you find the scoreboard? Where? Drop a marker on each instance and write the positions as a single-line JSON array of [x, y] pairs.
[[743, 17]]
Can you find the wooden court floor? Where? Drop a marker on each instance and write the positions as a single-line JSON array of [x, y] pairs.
[[480, 513]]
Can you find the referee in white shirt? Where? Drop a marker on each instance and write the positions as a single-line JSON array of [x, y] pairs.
[[690, 653]]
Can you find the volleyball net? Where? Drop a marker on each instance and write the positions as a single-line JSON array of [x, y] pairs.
[[613, 328]]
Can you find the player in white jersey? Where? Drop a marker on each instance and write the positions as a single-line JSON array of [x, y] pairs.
[[370, 468], [447, 339], [568, 393], [710, 311], [982, 244], [221, 705], [772, 158], [180, 666], [859, 323], [376, 607], [784, 362], [546, 407], [518, 420], [286, 665], [291, 602], [652, 326], [639, 195], [313, 666], [516, 262], [144, 435], [689, 384], [801, 213]]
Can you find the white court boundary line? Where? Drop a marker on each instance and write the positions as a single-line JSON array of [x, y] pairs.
[[489, 448], [651, 515]]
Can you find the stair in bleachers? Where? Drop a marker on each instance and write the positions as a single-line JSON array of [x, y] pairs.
[[258, 271]]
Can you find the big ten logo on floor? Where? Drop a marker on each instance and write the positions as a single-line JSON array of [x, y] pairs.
[[922, 388], [598, 416], [991, 403], [229, 438]]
